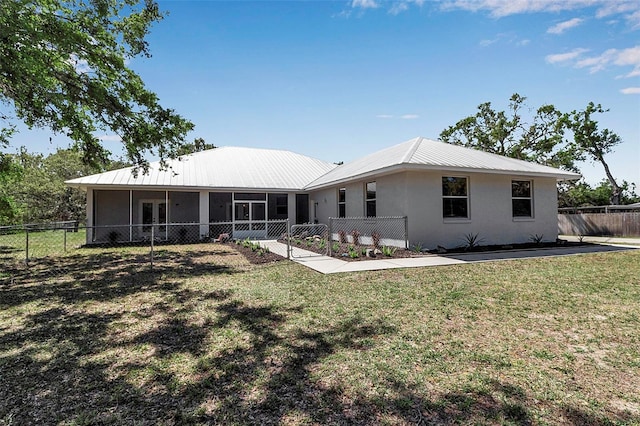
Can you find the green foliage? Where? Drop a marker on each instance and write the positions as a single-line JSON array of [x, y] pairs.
[[582, 194], [388, 251], [550, 137], [197, 145], [64, 67], [11, 173], [472, 240], [539, 139], [32, 187], [417, 247], [536, 238], [595, 143], [335, 247]]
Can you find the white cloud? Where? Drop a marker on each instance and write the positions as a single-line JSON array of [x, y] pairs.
[[410, 116], [621, 58], [631, 91], [398, 8], [385, 116], [564, 57], [502, 8], [364, 4], [629, 9], [508, 38], [563, 26]]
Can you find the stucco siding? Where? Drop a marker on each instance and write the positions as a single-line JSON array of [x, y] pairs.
[[490, 212], [418, 195]]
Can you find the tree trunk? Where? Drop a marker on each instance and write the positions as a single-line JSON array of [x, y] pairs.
[[615, 196]]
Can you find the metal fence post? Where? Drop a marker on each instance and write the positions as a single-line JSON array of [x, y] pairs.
[[288, 240], [406, 232], [329, 237], [65, 240], [152, 238], [26, 250]]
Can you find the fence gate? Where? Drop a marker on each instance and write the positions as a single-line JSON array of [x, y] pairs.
[[309, 240]]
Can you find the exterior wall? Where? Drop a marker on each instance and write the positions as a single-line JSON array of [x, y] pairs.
[[490, 212], [418, 195]]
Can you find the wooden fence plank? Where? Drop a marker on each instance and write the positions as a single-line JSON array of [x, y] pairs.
[[623, 224]]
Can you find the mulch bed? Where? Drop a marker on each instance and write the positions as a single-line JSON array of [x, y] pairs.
[[343, 251], [255, 257]]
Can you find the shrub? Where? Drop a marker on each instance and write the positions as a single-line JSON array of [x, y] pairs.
[[388, 251], [355, 235], [376, 237], [472, 240], [536, 238], [417, 248]]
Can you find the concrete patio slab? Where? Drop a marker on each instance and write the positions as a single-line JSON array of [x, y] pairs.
[[332, 265]]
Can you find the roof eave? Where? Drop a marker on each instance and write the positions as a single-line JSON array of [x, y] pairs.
[[86, 186], [565, 176]]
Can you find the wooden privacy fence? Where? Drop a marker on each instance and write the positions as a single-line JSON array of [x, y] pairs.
[[623, 224]]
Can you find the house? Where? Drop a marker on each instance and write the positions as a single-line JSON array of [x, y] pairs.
[[446, 191]]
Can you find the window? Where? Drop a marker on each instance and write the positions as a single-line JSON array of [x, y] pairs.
[[521, 200], [278, 205], [370, 200], [342, 202], [455, 197]]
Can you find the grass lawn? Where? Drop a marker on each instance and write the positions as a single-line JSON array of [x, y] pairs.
[[94, 337]]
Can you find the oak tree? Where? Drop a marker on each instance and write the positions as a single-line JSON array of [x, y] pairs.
[[64, 67]]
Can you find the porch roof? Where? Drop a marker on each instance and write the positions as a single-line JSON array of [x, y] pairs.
[[223, 168]]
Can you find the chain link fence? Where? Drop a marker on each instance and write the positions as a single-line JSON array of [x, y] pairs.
[[63, 247], [370, 231]]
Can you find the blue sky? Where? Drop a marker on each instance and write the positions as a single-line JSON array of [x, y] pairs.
[[338, 79]]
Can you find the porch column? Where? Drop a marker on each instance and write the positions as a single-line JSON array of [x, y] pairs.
[[130, 215], [89, 215], [204, 214]]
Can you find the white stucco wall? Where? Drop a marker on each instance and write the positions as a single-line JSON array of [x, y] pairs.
[[418, 195]]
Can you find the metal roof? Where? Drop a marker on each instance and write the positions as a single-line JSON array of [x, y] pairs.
[[225, 167], [265, 169], [426, 154]]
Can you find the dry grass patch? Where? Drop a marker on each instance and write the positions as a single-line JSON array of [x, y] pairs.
[[209, 338]]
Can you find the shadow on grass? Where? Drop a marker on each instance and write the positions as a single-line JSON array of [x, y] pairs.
[[101, 276], [64, 364]]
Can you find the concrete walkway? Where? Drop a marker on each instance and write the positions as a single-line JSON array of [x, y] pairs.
[[332, 265]]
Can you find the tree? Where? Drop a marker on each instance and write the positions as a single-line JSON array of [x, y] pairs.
[[37, 192], [11, 174], [197, 145], [581, 194], [507, 133], [595, 143], [64, 67]]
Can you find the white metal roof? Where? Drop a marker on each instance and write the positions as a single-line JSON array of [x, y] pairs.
[[426, 154], [262, 169], [226, 167]]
